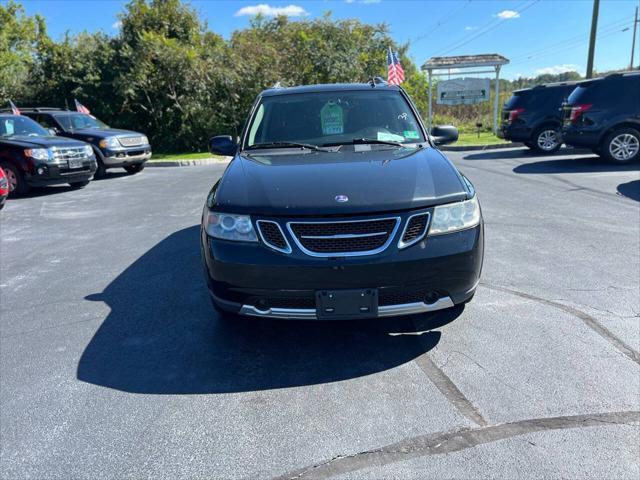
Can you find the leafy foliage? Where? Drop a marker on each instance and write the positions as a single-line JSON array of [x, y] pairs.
[[166, 74]]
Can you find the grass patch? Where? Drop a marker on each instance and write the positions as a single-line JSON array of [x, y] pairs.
[[486, 138], [169, 157]]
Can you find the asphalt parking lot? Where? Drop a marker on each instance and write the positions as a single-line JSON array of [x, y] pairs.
[[113, 364]]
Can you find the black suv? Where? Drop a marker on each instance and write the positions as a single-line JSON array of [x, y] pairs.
[[338, 205], [113, 148], [534, 116], [31, 157], [604, 114]]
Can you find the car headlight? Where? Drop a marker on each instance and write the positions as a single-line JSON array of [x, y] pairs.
[[43, 154], [88, 151], [455, 216], [145, 140], [110, 142], [230, 227]]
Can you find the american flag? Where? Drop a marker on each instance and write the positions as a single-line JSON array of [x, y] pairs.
[[395, 74], [81, 108], [14, 110]]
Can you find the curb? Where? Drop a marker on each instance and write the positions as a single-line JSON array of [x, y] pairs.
[[481, 147], [187, 163]]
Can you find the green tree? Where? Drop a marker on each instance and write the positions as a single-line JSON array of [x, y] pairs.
[[20, 37]]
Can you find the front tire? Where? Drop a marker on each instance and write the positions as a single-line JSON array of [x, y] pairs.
[[133, 169], [79, 185], [17, 184], [546, 140], [621, 146]]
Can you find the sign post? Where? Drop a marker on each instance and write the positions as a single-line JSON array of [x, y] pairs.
[[463, 93]]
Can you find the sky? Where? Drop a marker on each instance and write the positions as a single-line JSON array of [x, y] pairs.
[[537, 36]]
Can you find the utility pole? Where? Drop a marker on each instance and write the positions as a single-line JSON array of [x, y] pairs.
[[633, 42], [592, 39]]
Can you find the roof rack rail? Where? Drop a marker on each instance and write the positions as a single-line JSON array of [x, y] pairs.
[[373, 81]]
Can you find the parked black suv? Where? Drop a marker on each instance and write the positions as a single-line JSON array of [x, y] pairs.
[[113, 148], [604, 114], [338, 205], [30, 156], [534, 116]]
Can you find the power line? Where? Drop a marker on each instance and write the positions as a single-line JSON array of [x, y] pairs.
[[486, 29], [571, 47], [444, 19], [571, 40]]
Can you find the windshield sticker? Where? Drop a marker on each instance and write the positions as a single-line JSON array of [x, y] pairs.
[[8, 127], [331, 118], [411, 134], [390, 137], [403, 116]]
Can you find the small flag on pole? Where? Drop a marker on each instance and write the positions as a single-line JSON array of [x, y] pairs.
[[81, 108], [395, 74], [14, 110]]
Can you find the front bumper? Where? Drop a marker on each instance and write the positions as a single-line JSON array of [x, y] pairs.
[[127, 156], [435, 273], [44, 174]]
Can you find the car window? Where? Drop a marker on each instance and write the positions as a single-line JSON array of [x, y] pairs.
[[20, 125], [593, 92], [78, 121], [334, 117], [518, 100], [46, 121]]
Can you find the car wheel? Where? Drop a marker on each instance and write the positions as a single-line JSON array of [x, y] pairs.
[[15, 178], [134, 168], [621, 146], [79, 185], [547, 140]]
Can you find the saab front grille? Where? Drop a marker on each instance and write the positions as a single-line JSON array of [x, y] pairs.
[[344, 238], [272, 236], [415, 229]]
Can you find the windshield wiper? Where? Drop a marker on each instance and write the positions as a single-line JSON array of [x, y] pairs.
[[308, 146], [364, 141]]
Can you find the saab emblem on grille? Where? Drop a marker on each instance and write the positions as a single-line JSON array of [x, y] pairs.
[[341, 198]]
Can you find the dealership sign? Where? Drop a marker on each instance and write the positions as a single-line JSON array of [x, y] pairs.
[[463, 91]]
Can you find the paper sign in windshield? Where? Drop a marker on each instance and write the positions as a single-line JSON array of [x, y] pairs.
[[390, 137], [332, 119]]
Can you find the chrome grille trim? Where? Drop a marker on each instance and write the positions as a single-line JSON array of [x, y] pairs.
[[383, 310], [132, 141], [62, 154], [311, 253], [287, 249], [402, 244]]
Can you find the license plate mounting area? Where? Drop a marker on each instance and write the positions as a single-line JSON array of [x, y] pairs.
[[346, 304]]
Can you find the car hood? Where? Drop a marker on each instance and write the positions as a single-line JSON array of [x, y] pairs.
[[91, 133], [41, 142], [307, 183]]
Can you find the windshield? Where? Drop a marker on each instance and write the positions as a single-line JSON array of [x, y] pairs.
[[333, 118], [78, 121], [20, 126]]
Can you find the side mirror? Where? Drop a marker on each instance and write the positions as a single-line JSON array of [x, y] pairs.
[[223, 145], [444, 134], [53, 132]]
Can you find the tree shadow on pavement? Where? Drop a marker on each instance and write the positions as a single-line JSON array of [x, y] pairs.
[[573, 165], [163, 337], [630, 190]]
